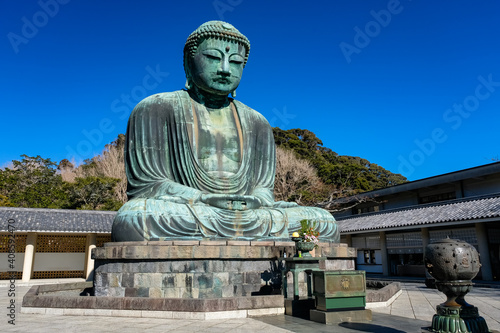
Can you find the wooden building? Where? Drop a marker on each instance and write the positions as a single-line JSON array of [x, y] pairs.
[[391, 227], [38, 243]]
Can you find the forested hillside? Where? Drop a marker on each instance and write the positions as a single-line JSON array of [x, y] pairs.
[[306, 172], [340, 175], [36, 182]]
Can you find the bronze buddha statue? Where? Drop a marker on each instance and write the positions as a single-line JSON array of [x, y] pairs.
[[201, 165]]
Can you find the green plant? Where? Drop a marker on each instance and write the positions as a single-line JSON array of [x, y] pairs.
[[308, 232]]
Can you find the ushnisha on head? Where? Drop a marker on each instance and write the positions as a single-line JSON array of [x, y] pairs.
[[214, 29], [221, 42]]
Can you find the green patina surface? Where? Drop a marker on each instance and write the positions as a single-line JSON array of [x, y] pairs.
[[336, 290], [201, 165], [341, 303]]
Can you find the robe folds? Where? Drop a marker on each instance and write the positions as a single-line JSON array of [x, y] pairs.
[[166, 180]]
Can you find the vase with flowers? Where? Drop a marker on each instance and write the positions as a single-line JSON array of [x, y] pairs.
[[306, 238]]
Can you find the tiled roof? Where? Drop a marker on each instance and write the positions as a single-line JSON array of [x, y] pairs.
[[56, 220], [449, 211]]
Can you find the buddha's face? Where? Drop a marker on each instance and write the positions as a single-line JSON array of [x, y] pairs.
[[217, 66]]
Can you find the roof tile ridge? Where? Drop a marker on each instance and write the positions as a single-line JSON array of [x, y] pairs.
[[421, 206], [85, 211]]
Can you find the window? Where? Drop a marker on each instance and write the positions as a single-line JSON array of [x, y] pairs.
[[363, 210], [464, 234], [437, 197], [366, 242], [369, 256], [407, 239]]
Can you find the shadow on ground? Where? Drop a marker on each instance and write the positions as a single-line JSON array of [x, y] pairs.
[[362, 327], [381, 323]]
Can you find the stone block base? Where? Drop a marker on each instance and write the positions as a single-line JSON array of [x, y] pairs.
[[197, 269], [336, 317], [64, 299], [188, 269]]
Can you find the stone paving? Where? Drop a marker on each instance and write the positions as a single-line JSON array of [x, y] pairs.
[[412, 310], [418, 302]]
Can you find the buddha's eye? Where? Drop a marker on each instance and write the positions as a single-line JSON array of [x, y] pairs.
[[236, 59], [212, 55]]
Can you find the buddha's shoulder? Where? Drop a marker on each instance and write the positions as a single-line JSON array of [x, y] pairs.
[[161, 102], [164, 98], [249, 111]]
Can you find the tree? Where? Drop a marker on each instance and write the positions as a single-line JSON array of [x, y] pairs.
[[296, 179], [65, 164], [93, 193], [109, 164], [36, 182], [33, 182], [340, 175], [351, 174], [5, 202]]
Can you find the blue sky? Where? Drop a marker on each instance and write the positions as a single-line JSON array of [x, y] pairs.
[[413, 86]]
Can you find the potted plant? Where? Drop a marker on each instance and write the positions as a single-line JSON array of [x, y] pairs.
[[306, 238]]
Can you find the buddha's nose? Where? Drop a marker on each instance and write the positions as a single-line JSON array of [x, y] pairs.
[[224, 67]]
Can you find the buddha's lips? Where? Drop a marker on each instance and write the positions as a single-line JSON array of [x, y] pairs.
[[222, 80]]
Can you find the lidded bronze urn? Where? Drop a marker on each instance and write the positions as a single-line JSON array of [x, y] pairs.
[[454, 263], [452, 260]]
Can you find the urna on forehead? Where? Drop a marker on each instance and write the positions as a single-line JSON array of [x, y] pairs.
[[218, 30]]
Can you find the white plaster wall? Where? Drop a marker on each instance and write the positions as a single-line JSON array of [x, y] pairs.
[[5, 265], [59, 262]]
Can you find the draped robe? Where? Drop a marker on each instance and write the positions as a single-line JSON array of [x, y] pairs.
[[166, 180]]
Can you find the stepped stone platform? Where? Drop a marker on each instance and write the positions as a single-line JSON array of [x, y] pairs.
[[200, 269], [183, 279], [66, 299]]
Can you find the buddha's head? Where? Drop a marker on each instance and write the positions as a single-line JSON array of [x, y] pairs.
[[214, 57]]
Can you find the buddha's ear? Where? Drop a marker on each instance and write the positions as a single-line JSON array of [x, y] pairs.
[[233, 93], [187, 70], [188, 84]]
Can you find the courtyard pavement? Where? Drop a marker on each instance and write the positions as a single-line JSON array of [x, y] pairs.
[[410, 312]]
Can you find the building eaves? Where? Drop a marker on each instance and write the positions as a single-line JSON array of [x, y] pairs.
[[56, 220], [448, 211]]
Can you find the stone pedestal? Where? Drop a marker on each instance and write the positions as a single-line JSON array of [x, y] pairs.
[[334, 257], [189, 269], [296, 266], [199, 269], [183, 279]]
